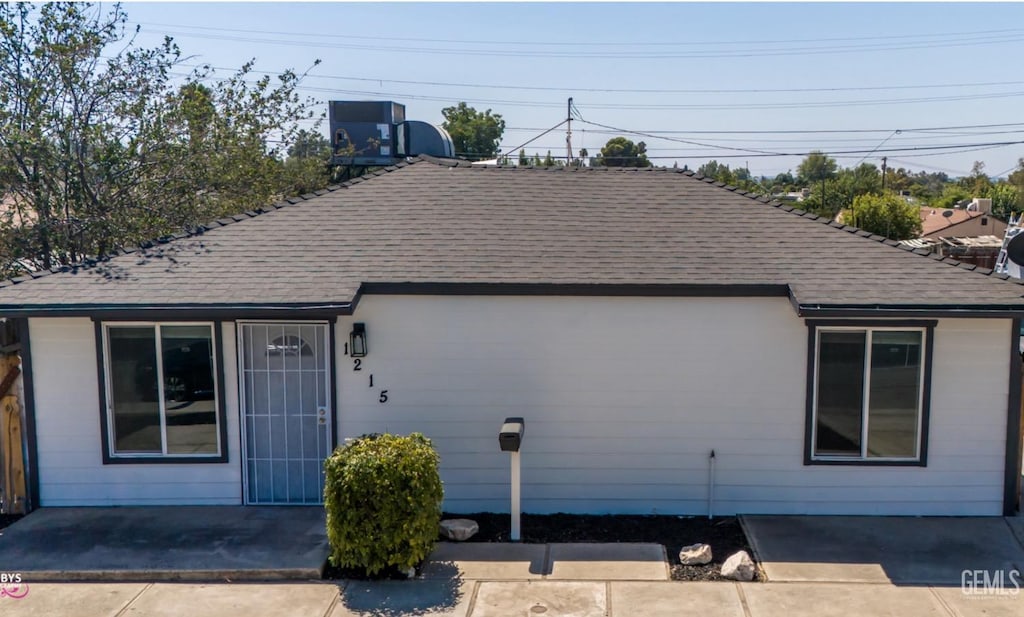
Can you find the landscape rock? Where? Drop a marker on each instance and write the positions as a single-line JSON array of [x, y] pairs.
[[459, 529], [739, 567], [695, 554]]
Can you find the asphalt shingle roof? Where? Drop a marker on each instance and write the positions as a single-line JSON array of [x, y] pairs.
[[440, 222]]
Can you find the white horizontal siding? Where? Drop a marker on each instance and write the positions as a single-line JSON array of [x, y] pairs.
[[625, 397], [71, 469]]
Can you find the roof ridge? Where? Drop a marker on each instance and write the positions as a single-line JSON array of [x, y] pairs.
[[199, 230]]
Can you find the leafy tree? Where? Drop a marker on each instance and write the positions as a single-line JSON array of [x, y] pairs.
[[621, 152], [1017, 177], [1006, 199], [927, 187], [886, 215], [952, 194], [720, 172], [524, 160], [897, 179], [308, 166], [978, 183], [100, 148], [549, 161], [475, 135], [863, 179], [816, 167]]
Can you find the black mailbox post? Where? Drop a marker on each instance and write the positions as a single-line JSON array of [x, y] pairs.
[[510, 438], [511, 435]]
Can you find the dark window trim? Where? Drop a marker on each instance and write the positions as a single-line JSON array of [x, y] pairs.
[[332, 367], [1012, 469], [812, 332], [32, 499], [108, 458]]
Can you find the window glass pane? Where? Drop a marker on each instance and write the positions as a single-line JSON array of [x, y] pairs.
[[133, 389], [189, 391], [895, 394], [840, 393]]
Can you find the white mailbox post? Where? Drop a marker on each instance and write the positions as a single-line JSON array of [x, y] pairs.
[[510, 438]]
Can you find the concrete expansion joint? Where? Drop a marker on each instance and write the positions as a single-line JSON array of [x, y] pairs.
[[743, 600], [124, 610], [942, 602]]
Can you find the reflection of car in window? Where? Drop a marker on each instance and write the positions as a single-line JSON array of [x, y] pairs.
[[188, 373], [289, 345]]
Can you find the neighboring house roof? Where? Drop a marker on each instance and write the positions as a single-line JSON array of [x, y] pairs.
[[933, 221], [586, 230]]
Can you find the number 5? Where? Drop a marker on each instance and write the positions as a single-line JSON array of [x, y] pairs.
[[383, 396]]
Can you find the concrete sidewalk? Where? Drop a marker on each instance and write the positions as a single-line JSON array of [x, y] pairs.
[[486, 598]]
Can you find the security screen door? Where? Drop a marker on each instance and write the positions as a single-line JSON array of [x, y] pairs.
[[285, 407]]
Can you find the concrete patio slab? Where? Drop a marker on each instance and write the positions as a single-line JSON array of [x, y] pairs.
[[486, 561], [547, 598], [616, 562], [72, 599], [670, 599], [167, 543], [873, 549], [994, 605], [435, 598], [248, 599], [838, 600]]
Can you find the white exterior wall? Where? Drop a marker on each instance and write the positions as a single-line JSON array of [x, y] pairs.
[[624, 398], [71, 469]]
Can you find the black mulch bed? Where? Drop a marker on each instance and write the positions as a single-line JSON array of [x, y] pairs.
[[724, 534]]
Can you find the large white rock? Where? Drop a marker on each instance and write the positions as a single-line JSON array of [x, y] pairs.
[[459, 529], [739, 567], [695, 554]]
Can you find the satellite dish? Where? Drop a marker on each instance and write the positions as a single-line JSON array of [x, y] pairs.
[[947, 213], [1015, 249]]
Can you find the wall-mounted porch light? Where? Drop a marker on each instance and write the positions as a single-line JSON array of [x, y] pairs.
[[357, 340]]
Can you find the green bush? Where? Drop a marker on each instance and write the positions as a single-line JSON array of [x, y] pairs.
[[383, 498]]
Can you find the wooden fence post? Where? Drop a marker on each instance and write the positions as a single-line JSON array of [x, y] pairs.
[[12, 463]]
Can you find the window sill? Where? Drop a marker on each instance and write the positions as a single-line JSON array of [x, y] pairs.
[[165, 460], [867, 462]]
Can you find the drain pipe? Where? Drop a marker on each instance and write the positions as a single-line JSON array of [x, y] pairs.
[[711, 485]]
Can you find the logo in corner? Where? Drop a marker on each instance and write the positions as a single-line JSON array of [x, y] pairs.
[[11, 586]]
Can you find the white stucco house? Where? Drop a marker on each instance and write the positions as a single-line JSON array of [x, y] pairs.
[[637, 320]]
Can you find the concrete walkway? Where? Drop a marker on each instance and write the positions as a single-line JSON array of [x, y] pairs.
[[167, 543], [903, 550], [485, 598]]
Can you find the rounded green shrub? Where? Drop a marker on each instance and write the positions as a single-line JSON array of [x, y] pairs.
[[383, 498]]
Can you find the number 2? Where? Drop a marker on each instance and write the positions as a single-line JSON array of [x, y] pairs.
[[358, 365]]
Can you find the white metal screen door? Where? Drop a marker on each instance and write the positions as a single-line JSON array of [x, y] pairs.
[[285, 407]]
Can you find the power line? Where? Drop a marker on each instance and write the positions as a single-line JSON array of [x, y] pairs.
[[504, 52], [690, 43], [517, 148], [820, 131]]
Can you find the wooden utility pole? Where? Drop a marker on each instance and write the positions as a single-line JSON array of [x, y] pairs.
[[884, 160], [568, 132]]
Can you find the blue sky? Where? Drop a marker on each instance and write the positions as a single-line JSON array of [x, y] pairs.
[[886, 58]]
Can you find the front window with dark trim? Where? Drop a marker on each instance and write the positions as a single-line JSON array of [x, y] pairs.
[[869, 399], [161, 390]]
